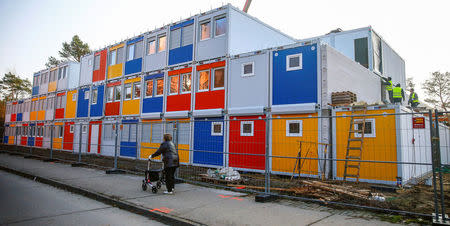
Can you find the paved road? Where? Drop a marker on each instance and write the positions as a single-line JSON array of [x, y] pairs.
[[26, 202]]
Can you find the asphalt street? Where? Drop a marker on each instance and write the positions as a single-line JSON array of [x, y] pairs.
[[26, 202]]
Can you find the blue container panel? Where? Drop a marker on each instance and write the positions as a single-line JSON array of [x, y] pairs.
[[133, 66], [150, 105], [297, 86], [30, 141], [5, 139], [19, 117], [35, 90], [180, 55], [82, 104], [208, 149], [128, 149], [97, 109]]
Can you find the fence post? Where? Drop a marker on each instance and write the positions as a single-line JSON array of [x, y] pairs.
[[433, 164], [267, 162], [438, 161], [115, 170], [51, 142]]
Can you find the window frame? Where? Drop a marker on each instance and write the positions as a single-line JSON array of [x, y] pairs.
[[134, 90], [71, 128], [208, 21], [108, 89], [170, 85], [87, 95], [84, 128], [372, 133], [212, 129], [148, 46], [74, 96], [158, 37], [209, 81], [243, 69], [125, 86], [288, 132], [181, 83], [113, 58], [215, 25], [146, 88], [241, 129], [156, 90], [115, 93], [129, 48], [299, 67], [213, 79], [94, 96]]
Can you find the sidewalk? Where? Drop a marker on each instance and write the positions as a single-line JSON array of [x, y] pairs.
[[190, 204]]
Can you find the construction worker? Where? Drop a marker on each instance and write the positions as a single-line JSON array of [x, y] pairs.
[[413, 98], [389, 87], [397, 94]]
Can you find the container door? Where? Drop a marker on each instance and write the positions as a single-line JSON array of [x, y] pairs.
[[94, 138]]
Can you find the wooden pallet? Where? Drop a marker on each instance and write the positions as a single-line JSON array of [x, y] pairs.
[[341, 98]]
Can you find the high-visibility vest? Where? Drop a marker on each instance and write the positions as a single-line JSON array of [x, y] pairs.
[[389, 87], [397, 92], [414, 98]]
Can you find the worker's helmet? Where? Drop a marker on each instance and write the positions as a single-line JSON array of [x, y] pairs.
[[412, 89], [398, 85], [389, 78]]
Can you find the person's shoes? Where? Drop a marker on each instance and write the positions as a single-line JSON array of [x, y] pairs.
[[168, 192]]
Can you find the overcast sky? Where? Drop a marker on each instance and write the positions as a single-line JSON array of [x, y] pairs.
[[31, 31]]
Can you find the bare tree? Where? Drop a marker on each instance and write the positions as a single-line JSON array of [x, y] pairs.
[[437, 90]]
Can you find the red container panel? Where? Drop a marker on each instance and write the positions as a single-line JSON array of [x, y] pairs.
[[244, 145], [13, 117], [210, 100], [68, 136], [23, 141], [180, 102], [99, 136], [59, 113], [112, 108], [99, 75], [39, 141]]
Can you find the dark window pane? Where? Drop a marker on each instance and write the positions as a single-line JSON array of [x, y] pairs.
[[294, 61], [247, 128], [294, 127], [362, 52]]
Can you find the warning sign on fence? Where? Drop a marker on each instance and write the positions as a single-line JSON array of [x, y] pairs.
[[418, 122]]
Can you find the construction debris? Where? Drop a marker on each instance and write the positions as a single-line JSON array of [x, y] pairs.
[[225, 173]]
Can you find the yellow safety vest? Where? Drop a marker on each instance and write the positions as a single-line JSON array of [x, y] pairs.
[[389, 87], [414, 98], [397, 92]]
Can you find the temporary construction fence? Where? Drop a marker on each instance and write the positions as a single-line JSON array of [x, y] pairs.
[[381, 158]]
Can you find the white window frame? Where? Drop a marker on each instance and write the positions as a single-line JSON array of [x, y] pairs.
[[107, 94], [113, 59], [84, 128], [170, 85], [210, 29], [125, 91], [213, 81], [134, 90], [299, 67], [94, 100], [181, 83], [218, 18], [242, 129], [86, 95], [74, 97], [221, 129], [289, 134], [115, 92], [71, 128], [209, 81], [253, 69], [155, 87], [148, 46], [129, 48], [158, 38], [371, 134]]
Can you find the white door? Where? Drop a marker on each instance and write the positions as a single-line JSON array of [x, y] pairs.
[[94, 138]]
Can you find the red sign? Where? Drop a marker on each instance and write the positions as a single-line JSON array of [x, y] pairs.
[[418, 122]]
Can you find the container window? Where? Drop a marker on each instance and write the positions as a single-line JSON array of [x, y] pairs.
[[133, 132], [161, 43], [139, 49], [294, 62], [369, 129], [127, 91], [65, 71], [72, 128], [186, 83], [175, 38], [159, 87], [294, 128], [216, 128], [94, 96], [174, 83], [107, 132], [187, 35], [221, 26], [246, 128], [60, 71], [74, 96], [109, 94], [205, 30], [157, 133], [362, 51], [84, 129], [247, 69], [120, 55], [219, 80], [117, 93], [130, 52], [97, 62], [125, 133], [112, 57], [146, 132], [86, 95], [61, 131], [149, 88], [137, 90], [203, 81], [151, 47]]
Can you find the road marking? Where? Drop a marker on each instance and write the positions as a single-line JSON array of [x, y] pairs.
[[231, 197], [162, 210]]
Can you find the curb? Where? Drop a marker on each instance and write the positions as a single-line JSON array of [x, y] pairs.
[[163, 218]]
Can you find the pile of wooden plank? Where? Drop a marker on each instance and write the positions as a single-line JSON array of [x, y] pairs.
[[343, 98]]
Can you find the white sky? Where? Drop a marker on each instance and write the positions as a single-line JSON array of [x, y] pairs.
[[31, 31]]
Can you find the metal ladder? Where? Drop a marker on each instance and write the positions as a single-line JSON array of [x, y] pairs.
[[354, 152]]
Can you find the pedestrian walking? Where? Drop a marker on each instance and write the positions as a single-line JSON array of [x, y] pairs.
[[170, 159]]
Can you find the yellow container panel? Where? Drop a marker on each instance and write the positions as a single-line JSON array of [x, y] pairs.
[[52, 86], [33, 116], [285, 144], [183, 153], [130, 107], [114, 71], [41, 115], [71, 104], [381, 146], [148, 149], [57, 143], [11, 140]]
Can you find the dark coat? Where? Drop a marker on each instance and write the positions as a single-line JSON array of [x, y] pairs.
[[169, 154]]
